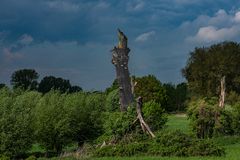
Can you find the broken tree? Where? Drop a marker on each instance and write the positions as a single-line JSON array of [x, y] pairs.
[[126, 86], [120, 60]]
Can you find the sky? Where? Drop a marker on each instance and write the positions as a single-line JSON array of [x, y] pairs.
[[72, 39]]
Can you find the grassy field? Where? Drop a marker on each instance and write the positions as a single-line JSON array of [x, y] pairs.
[[180, 121]]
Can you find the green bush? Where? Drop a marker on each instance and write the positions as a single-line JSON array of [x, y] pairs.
[[3, 157], [52, 123], [202, 115], [61, 119], [112, 101], [174, 143], [16, 121], [154, 115], [236, 118], [31, 158], [207, 119], [117, 124], [85, 112]]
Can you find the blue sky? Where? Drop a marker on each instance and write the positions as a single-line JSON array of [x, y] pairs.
[[72, 39]]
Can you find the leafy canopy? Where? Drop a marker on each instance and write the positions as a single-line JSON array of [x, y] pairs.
[[206, 66]]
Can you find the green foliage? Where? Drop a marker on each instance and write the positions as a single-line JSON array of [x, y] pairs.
[[207, 119], [150, 88], [49, 83], [63, 118], [52, 122], [207, 65], [2, 85], [121, 150], [113, 87], [31, 158], [3, 157], [232, 98], [25, 79], [173, 143], [16, 131], [202, 115], [236, 118], [176, 143], [117, 124], [85, 112], [112, 101], [176, 96], [154, 115]]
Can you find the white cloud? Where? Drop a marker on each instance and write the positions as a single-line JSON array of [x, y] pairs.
[[135, 6], [187, 1], [102, 5], [212, 34], [9, 55], [63, 5], [25, 39], [220, 27], [237, 17], [145, 36]]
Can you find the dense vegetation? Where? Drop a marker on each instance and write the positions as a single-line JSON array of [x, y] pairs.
[[55, 115]]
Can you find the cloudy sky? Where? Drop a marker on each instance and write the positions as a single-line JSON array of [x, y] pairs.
[[72, 39]]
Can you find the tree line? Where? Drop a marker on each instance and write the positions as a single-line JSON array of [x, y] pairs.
[[27, 79]]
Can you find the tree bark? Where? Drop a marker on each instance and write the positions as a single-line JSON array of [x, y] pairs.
[[222, 93], [120, 60]]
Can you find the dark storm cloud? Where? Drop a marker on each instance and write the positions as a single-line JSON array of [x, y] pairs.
[[73, 38]]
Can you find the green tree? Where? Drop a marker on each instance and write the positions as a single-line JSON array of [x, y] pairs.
[[170, 97], [150, 88], [49, 83], [74, 89], [207, 65], [2, 85], [85, 111], [181, 96], [25, 79], [52, 122]]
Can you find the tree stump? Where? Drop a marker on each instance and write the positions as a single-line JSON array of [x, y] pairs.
[[120, 60]]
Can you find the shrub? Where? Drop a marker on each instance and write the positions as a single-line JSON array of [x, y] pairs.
[[117, 124], [154, 115], [177, 143], [31, 158], [207, 119], [3, 157], [236, 118], [202, 115], [174, 143], [112, 101], [16, 131], [52, 123], [85, 112]]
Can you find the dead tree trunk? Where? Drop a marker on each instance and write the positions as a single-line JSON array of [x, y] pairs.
[[221, 103], [143, 124], [222, 93], [120, 60]]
